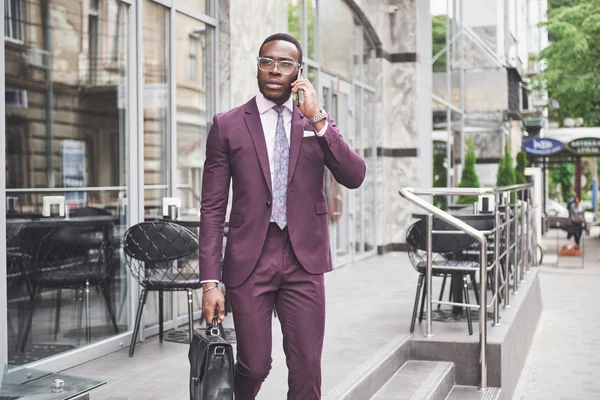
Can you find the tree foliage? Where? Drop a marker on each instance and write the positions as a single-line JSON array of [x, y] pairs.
[[520, 169], [468, 177], [561, 179], [573, 59], [506, 175], [438, 41]]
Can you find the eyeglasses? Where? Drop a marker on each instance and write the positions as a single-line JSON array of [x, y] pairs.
[[285, 67]]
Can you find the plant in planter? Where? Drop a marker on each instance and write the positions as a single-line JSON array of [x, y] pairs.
[[468, 177]]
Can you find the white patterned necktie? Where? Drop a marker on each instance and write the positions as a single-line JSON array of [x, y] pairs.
[[281, 160]]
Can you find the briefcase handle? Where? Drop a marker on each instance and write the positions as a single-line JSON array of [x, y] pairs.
[[214, 329]]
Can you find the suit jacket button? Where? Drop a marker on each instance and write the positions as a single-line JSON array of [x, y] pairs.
[[268, 204]]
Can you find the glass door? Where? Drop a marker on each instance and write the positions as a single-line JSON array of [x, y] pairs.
[[67, 140], [336, 99]]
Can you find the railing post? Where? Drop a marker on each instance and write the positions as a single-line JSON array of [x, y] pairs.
[[515, 273], [531, 249], [507, 255], [429, 274], [483, 314], [523, 237], [496, 264]]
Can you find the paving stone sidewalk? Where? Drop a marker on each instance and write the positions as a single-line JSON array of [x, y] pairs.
[[564, 359]]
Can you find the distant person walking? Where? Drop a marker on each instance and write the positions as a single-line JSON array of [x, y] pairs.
[[577, 220]]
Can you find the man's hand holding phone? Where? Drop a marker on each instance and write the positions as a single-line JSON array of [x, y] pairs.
[[310, 107]]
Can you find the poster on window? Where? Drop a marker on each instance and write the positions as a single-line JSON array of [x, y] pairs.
[[73, 165]]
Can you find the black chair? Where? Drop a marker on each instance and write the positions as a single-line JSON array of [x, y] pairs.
[[88, 212], [447, 255], [162, 256], [62, 256]]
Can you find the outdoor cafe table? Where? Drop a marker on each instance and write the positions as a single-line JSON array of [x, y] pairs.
[[483, 222]]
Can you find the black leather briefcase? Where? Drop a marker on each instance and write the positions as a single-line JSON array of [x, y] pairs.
[[211, 365]]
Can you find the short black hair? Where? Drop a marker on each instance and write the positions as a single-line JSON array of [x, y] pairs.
[[285, 37]]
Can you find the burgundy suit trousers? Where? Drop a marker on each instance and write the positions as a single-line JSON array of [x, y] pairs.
[[279, 282]]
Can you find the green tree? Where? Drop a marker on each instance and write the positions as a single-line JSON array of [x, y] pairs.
[[440, 176], [438, 41], [520, 169], [573, 59], [506, 172], [468, 177], [295, 19], [561, 180]]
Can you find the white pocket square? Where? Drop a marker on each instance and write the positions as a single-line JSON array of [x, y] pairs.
[[309, 134]]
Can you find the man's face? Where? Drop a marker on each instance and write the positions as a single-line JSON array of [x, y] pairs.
[[274, 85]]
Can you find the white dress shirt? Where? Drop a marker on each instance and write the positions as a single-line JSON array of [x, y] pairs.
[[268, 119]]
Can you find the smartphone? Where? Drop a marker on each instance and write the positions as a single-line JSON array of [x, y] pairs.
[[299, 96]]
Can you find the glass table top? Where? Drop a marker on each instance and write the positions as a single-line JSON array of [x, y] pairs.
[[24, 383]]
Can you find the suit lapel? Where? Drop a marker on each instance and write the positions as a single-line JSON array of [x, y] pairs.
[[254, 125], [296, 138]]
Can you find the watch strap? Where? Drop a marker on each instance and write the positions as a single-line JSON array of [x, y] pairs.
[[319, 117]]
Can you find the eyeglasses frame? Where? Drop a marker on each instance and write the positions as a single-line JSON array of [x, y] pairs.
[[276, 64]]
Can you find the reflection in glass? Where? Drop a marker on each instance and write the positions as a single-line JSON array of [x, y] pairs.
[[194, 115], [295, 19], [66, 117], [338, 49], [357, 35], [193, 42], [201, 6], [155, 39], [311, 29], [369, 70]]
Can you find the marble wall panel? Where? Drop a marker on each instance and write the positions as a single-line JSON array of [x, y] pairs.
[[394, 22], [400, 104], [395, 211], [403, 26]]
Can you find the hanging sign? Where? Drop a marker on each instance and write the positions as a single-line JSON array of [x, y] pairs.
[[585, 146], [439, 146], [538, 146]]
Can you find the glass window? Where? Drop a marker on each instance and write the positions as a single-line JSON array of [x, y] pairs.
[[201, 6], [295, 19], [357, 49], [311, 29], [156, 96], [155, 40], [337, 44], [192, 71], [194, 106], [66, 143], [13, 19], [369, 60]]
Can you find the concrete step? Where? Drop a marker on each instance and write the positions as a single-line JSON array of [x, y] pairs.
[[419, 380], [472, 393]]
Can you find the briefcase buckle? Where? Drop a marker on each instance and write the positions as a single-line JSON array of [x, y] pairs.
[[219, 351]]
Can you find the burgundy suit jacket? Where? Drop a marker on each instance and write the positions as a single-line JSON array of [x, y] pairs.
[[236, 152]]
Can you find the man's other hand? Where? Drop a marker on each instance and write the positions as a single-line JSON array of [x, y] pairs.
[[211, 300]]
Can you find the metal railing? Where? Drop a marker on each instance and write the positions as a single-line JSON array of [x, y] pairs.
[[501, 229]]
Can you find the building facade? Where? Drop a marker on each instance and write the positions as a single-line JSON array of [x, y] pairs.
[[486, 55], [108, 104]]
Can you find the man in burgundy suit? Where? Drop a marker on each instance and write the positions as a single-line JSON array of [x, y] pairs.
[[274, 153]]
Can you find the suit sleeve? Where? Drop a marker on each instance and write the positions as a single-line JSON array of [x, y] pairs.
[[215, 194], [347, 167]]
